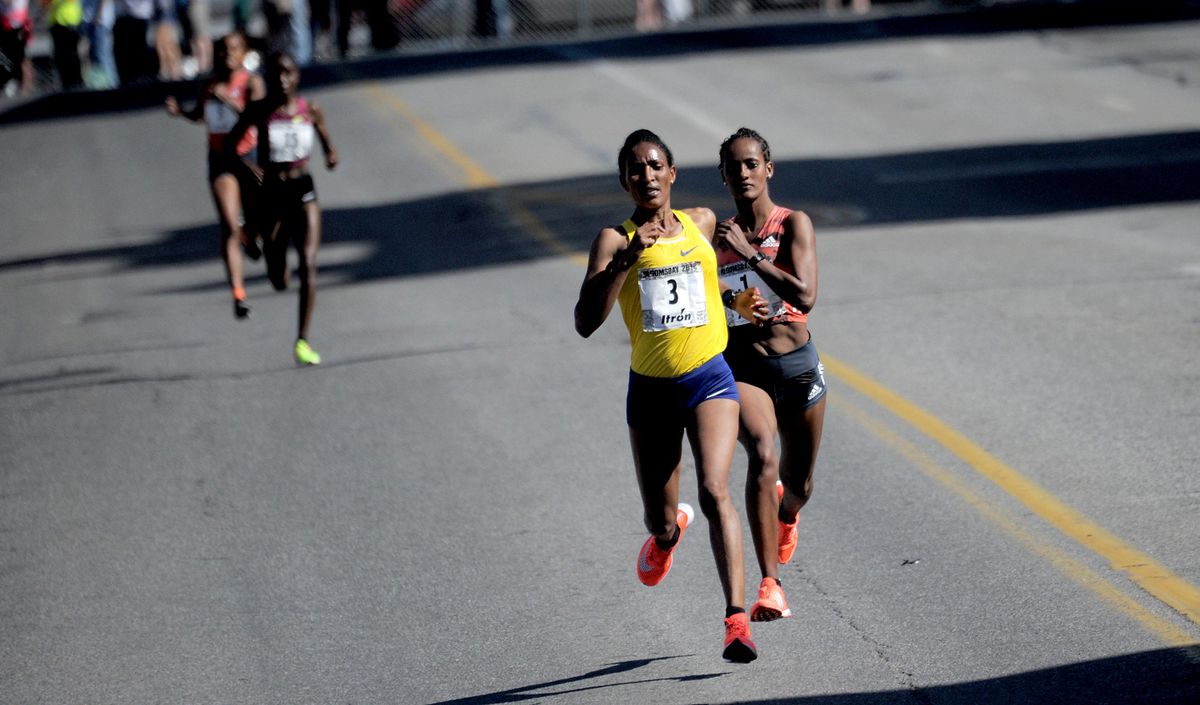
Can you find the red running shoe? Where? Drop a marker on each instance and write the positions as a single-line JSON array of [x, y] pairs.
[[789, 536], [653, 563], [771, 603], [738, 647]]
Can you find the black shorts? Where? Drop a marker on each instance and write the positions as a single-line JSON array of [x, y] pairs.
[[282, 196], [797, 377], [220, 163]]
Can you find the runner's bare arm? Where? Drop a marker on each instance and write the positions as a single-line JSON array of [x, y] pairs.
[[799, 251], [318, 118], [609, 260], [245, 121], [258, 88], [193, 114]]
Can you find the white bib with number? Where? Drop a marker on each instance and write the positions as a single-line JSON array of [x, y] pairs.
[[672, 297], [740, 276], [290, 141]]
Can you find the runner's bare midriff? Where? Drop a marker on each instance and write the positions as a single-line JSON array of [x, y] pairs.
[[775, 338]]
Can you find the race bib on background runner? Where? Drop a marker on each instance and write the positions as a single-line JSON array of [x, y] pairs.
[[672, 297], [290, 141], [740, 276]]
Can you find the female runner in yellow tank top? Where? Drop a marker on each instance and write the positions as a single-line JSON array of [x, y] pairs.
[[661, 267]]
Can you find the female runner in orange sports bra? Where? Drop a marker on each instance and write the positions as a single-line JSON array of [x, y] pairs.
[[230, 176], [780, 377]]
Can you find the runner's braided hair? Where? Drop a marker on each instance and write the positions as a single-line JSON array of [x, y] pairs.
[[634, 139], [750, 134]]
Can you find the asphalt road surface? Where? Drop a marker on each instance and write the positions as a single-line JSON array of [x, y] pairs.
[[1007, 498]]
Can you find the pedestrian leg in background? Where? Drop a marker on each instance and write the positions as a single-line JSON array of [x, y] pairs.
[[278, 14], [98, 16], [649, 16], [200, 15], [131, 54], [320, 24], [345, 15], [166, 44], [64, 18], [301, 31], [66, 55]]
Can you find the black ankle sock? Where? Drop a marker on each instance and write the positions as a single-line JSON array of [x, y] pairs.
[[730, 611], [671, 544]]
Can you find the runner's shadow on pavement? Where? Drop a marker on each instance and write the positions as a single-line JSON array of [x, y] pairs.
[[535, 220], [524, 222], [578, 684], [1161, 677]]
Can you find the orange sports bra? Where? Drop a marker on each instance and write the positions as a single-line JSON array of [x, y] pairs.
[[220, 118], [739, 275]]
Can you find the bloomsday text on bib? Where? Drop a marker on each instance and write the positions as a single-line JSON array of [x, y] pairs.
[[740, 276]]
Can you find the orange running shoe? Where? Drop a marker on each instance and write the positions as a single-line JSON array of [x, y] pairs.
[[771, 605], [738, 647], [789, 536], [653, 563]]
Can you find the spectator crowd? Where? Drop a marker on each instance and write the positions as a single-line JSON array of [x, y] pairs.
[[98, 44]]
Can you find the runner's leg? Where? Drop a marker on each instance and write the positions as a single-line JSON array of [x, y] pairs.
[[307, 245], [657, 459], [712, 433], [758, 431], [800, 438], [227, 198]]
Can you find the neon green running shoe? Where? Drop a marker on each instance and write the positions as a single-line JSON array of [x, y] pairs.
[[305, 355]]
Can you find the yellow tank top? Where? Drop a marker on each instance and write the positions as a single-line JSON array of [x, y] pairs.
[[65, 13], [671, 303]]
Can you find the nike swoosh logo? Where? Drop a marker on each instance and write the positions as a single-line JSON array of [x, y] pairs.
[[685, 253], [722, 390]]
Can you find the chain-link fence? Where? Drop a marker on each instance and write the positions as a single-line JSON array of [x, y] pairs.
[[472, 23], [467, 24]]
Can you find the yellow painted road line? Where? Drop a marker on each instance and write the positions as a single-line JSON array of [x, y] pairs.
[[474, 175], [1147, 573], [1072, 568], [1156, 579], [1076, 571]]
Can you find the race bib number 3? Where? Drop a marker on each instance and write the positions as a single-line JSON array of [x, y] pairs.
[[740, 276], [672, 297]]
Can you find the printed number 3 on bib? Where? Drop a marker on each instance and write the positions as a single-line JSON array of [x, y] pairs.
[[672, 297]]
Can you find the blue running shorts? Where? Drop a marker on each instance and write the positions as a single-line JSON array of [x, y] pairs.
[[654, 401]]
